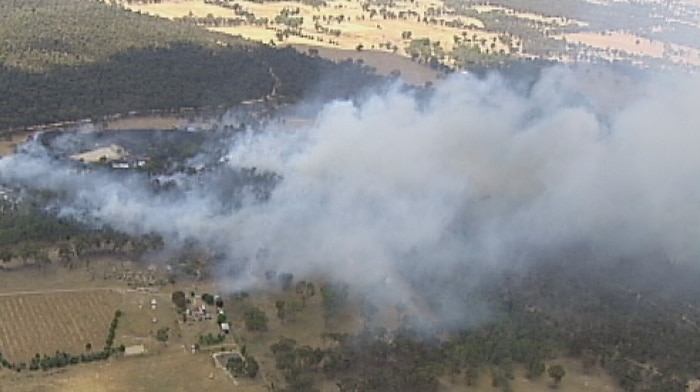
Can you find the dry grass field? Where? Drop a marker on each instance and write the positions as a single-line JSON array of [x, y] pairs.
[[143, 122], [376, 33], [170, 371], [357, 28], [55, 321], [68, 308], [632, 44], [10, 141], [576, 380]]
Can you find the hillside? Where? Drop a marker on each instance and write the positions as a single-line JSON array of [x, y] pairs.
[[310, 250], [73, 59]]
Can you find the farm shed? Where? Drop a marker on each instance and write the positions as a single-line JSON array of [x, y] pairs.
[[135, 350]]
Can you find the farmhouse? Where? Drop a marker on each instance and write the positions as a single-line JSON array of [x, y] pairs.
[[120, 165], [198, 313], [128, 163]]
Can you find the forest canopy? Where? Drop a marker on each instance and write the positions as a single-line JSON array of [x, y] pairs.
[[69, 60]]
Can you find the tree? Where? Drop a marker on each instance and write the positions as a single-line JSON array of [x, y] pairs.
[[180, 300], [208, 299], [209, 339], [535, 368], [292, 309], [235, 365], [65, 255], [42, 258], [471, 374], [369, 310], [6, 255], [557, 373], [305, 290], [310, 289], [285, 280], [26, 252], [255, 319], [334, 297], [162, 334], [252, 367], [280, 305]]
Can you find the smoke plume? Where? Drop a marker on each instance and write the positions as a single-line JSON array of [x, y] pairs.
[[399, 191]]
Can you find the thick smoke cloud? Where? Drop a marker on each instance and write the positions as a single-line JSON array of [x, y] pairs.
[[396, 191]]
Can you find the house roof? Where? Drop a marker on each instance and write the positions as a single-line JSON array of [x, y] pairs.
[[135, 350]]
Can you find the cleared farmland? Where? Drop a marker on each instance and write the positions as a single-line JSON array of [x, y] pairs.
[[44, 323], [355, 24]]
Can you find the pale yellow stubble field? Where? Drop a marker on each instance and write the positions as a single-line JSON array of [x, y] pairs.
[[356, 29]]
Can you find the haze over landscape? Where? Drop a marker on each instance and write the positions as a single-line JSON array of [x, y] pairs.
[[462, 199], [478, 173]]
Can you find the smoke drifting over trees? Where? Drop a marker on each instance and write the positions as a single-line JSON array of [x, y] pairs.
[[397, 191]]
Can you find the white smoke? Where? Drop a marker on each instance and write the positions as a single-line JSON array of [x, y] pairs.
[[480, 177]]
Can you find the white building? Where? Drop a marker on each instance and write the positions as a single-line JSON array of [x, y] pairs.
[[135, 350]]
